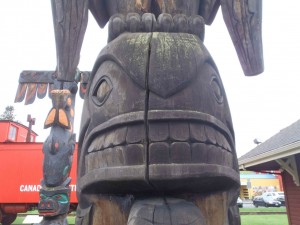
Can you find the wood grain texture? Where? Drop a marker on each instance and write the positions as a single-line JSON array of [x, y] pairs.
[[244, 22], [70, 21]]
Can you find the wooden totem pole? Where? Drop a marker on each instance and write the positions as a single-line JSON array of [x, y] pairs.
[[156, 144]]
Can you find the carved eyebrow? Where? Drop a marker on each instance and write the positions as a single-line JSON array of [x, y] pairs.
[[104, 58]]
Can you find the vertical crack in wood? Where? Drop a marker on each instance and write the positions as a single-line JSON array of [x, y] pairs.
[[169, 209], [146, 112]]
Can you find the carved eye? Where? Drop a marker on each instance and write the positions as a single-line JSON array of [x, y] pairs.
[[217, 90], [102, 91]]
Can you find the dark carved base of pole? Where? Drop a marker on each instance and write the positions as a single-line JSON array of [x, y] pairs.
[[218, 208], [167, 211]]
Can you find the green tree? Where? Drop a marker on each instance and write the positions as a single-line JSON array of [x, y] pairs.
[[8, 114]]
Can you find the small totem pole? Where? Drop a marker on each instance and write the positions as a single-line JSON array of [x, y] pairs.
[[69, 25], [59, 146]]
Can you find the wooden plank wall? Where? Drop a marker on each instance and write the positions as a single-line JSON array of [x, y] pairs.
[[292, 195]]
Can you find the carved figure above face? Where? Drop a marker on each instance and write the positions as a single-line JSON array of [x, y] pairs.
[[242, 18], [104, 9]]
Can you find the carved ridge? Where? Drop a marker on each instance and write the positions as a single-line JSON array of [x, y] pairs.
[[134, 23]]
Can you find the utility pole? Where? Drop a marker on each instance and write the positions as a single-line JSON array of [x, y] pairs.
[[31, 122]]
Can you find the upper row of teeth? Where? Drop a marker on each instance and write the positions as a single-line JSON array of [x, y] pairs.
[[160, 132]]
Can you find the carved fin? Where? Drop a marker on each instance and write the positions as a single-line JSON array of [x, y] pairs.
[[35, 83], [243, 19], [63, 119], [31, 93], [58, 117], [42, 90], [50, 120], [21, 92]]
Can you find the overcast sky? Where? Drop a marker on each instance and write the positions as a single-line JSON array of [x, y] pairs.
[[261, 106]]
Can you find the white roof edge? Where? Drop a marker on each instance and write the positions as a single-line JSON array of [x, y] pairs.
[[278, 153]]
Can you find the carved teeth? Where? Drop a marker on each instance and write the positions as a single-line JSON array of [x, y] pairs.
[[169, 142], [135, 134], [197, 132], [159, 152], [161, 132], [97, 144], [108, 141], [180, 152], [179, 131], [120, 136], [210, 135]]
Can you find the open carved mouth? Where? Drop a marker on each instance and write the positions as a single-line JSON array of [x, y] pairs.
[[133, 149]]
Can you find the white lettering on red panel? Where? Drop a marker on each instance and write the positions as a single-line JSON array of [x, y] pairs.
[[30, 188], [37, 187]]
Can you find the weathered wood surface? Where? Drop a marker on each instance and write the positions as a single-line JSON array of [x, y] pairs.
[[156, 121], [152, 123], [242, 17], [244, 22], [144, 108], [188, 209], [70, 21]]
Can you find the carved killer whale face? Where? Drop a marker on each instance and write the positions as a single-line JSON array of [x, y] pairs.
[[156, 118]]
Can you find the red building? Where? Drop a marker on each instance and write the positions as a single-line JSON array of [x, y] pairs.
[[11, 131]]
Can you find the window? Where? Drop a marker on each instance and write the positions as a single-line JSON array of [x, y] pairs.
[[12, 135], [31, 138]]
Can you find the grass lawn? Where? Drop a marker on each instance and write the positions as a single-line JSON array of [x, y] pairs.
[[19, 220], [264, 219], [279, 219], [264, 209], [245, 219]]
